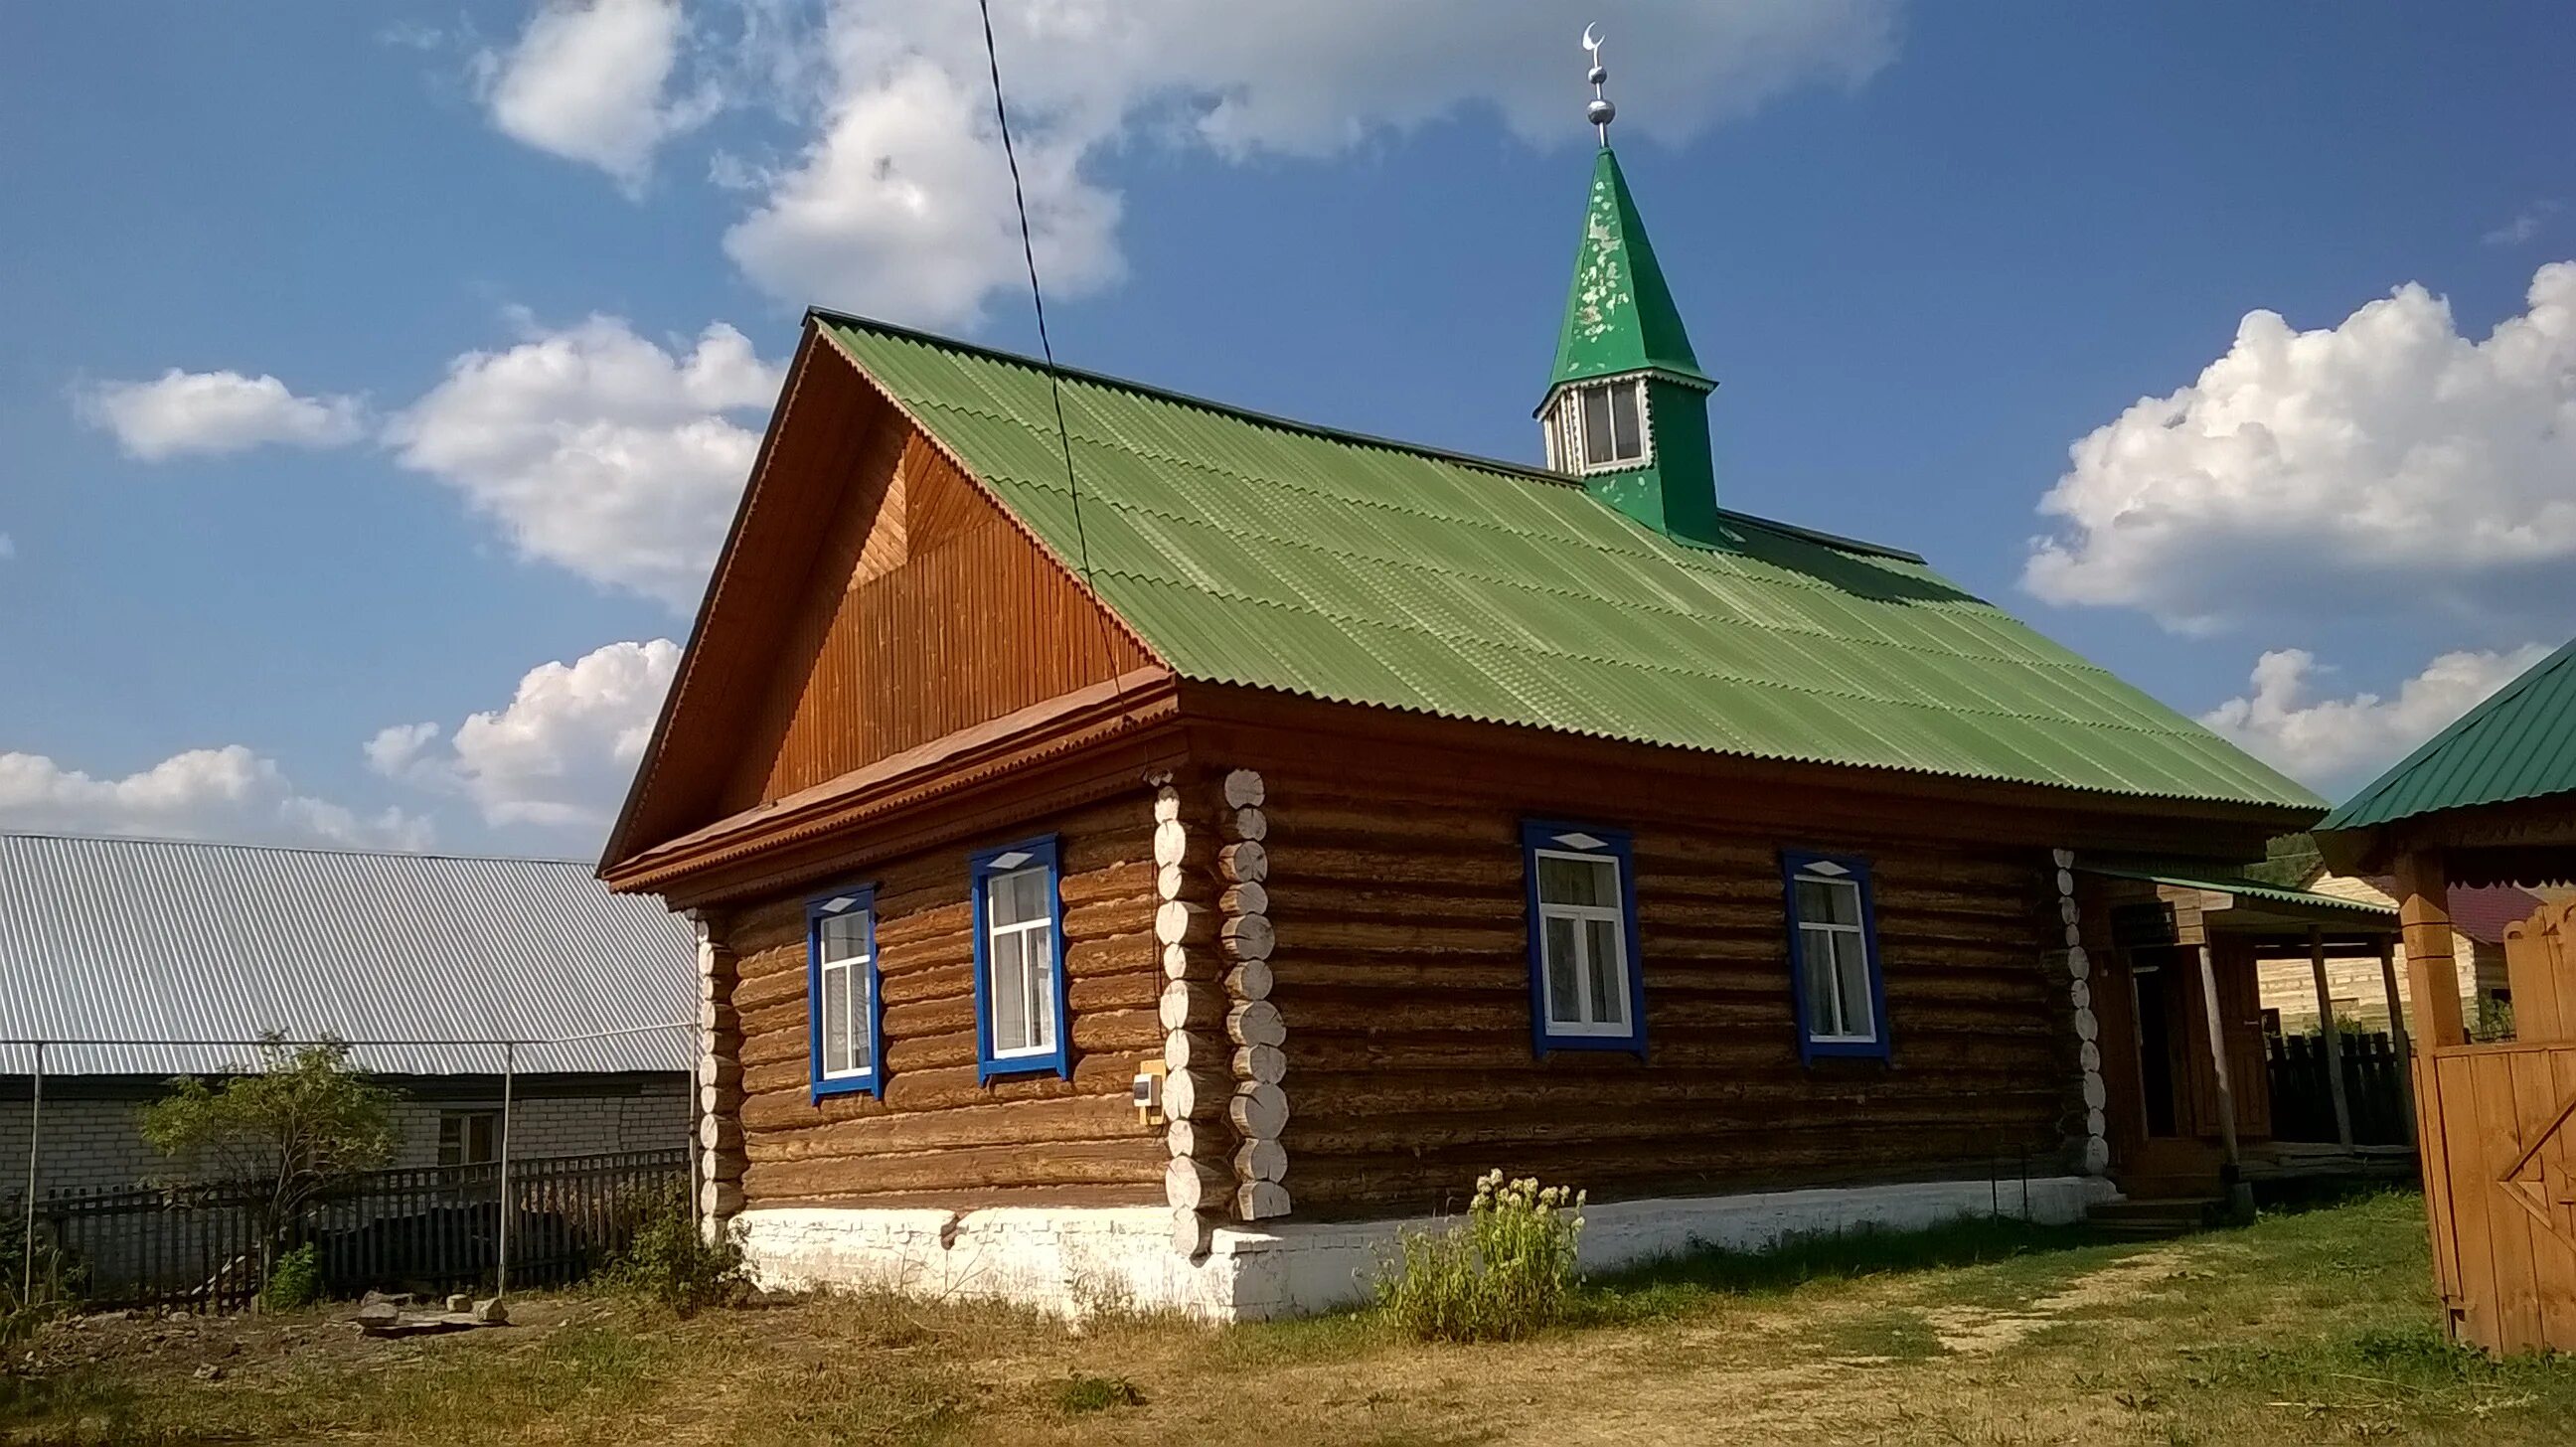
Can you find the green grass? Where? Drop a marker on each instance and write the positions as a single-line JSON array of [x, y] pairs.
[[1083, 1393], [1677, 1285]]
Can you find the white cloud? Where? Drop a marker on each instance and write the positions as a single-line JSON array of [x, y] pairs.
[[228, 793], [900, 205], [589, 82], [2337, 743], [211, 412], [559, 755], [598, 450], [8, 547], [2525, 225], [2386, 462]]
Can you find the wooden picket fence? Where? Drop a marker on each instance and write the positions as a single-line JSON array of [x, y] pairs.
[[428, 1229], [2374, 1085]]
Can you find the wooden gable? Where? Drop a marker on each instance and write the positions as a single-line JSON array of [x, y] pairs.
[[872, 599]]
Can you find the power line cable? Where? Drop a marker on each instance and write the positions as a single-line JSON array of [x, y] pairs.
[[1046, 345]]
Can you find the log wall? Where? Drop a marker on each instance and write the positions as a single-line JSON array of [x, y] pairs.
[[938, 1138], [1400, 968]]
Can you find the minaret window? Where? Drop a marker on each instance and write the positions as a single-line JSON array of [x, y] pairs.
[[1598, 427]]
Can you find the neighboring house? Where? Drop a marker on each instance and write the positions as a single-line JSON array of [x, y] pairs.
[[1160, 880], [143, 940], [2357, 984]]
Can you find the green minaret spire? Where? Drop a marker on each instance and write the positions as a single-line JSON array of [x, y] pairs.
[[1627, 405]]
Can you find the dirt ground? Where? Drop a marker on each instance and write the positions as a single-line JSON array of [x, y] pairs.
[[2313, 1327]]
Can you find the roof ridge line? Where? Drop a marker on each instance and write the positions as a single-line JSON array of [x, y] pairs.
[[1496, 465], [344, 851]]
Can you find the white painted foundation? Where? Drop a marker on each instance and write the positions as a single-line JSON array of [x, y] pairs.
[[1083, 1259]]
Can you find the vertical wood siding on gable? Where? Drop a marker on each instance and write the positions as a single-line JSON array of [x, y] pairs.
[[1401, 968], [938, 1138], [927, 612]]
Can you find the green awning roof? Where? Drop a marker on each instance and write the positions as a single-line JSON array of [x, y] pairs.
[[2237, 884], [2519, 744], [1255, 551]]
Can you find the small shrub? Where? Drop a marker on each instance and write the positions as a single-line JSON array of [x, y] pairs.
[[668, 1260], [295, 1281], [1082, 1394], [1503, 1273]]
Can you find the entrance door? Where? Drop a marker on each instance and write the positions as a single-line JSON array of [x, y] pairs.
[[2171, 1158], [2160, 1036]]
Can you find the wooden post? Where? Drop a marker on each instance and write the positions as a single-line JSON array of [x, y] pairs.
[[2218, 1058], [2424, 914], [2333, 1036], [2397, 1033]]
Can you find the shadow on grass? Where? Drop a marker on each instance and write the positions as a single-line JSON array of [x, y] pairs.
[[1677, 1283]]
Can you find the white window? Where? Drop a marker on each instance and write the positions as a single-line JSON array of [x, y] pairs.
[[845, 983], [1019, 954], [1598, 427], [1833, 954], [1583, 943]]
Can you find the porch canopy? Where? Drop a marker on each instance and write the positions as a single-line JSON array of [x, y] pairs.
[[2276, 922]]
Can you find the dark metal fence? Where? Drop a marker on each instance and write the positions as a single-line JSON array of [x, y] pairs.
[[431, 1229], [2303, 1098]]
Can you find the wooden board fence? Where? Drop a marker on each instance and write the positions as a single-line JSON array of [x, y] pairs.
[[2498, 1127]]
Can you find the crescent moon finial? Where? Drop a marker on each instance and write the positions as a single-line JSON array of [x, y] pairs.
[[1601, 111]]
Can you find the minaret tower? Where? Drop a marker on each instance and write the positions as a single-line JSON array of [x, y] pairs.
[[1627, 406]]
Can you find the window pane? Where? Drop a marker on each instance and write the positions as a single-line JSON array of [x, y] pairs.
[[1824, 1002], [1601, 961], [1018, 896], [1851, 967], [844, 936], [1564, 991], [1578, 881], [1039, 955], [1009, 993], [1625, 443], [836, 1020], [1828, 901], [1596, 424]]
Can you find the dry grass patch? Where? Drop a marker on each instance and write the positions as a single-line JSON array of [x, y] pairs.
[[2306, 1327]]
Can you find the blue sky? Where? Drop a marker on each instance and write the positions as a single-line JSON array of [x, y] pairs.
[[1927, 249]]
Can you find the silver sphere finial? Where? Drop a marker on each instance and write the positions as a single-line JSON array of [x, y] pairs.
[[1600, 112]]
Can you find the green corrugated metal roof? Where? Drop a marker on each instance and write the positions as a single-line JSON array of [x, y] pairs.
[[1248, 550], [2519, 744], [2186, 877]]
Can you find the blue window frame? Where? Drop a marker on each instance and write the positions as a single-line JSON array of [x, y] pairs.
[[1834, 972], [845, 1019], [1586, 992], [1020, 1012]]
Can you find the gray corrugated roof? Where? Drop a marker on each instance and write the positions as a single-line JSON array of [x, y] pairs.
[[149, 939]]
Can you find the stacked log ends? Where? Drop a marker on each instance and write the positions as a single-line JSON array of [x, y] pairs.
[[1194, 1058], [2092, 1146], [1258, 1109], [721, 1157]]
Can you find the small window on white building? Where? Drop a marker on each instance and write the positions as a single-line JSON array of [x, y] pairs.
[[469, 1137], [1598, 427]]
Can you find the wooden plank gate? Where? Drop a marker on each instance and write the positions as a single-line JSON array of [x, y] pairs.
[[2498, 1127]]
